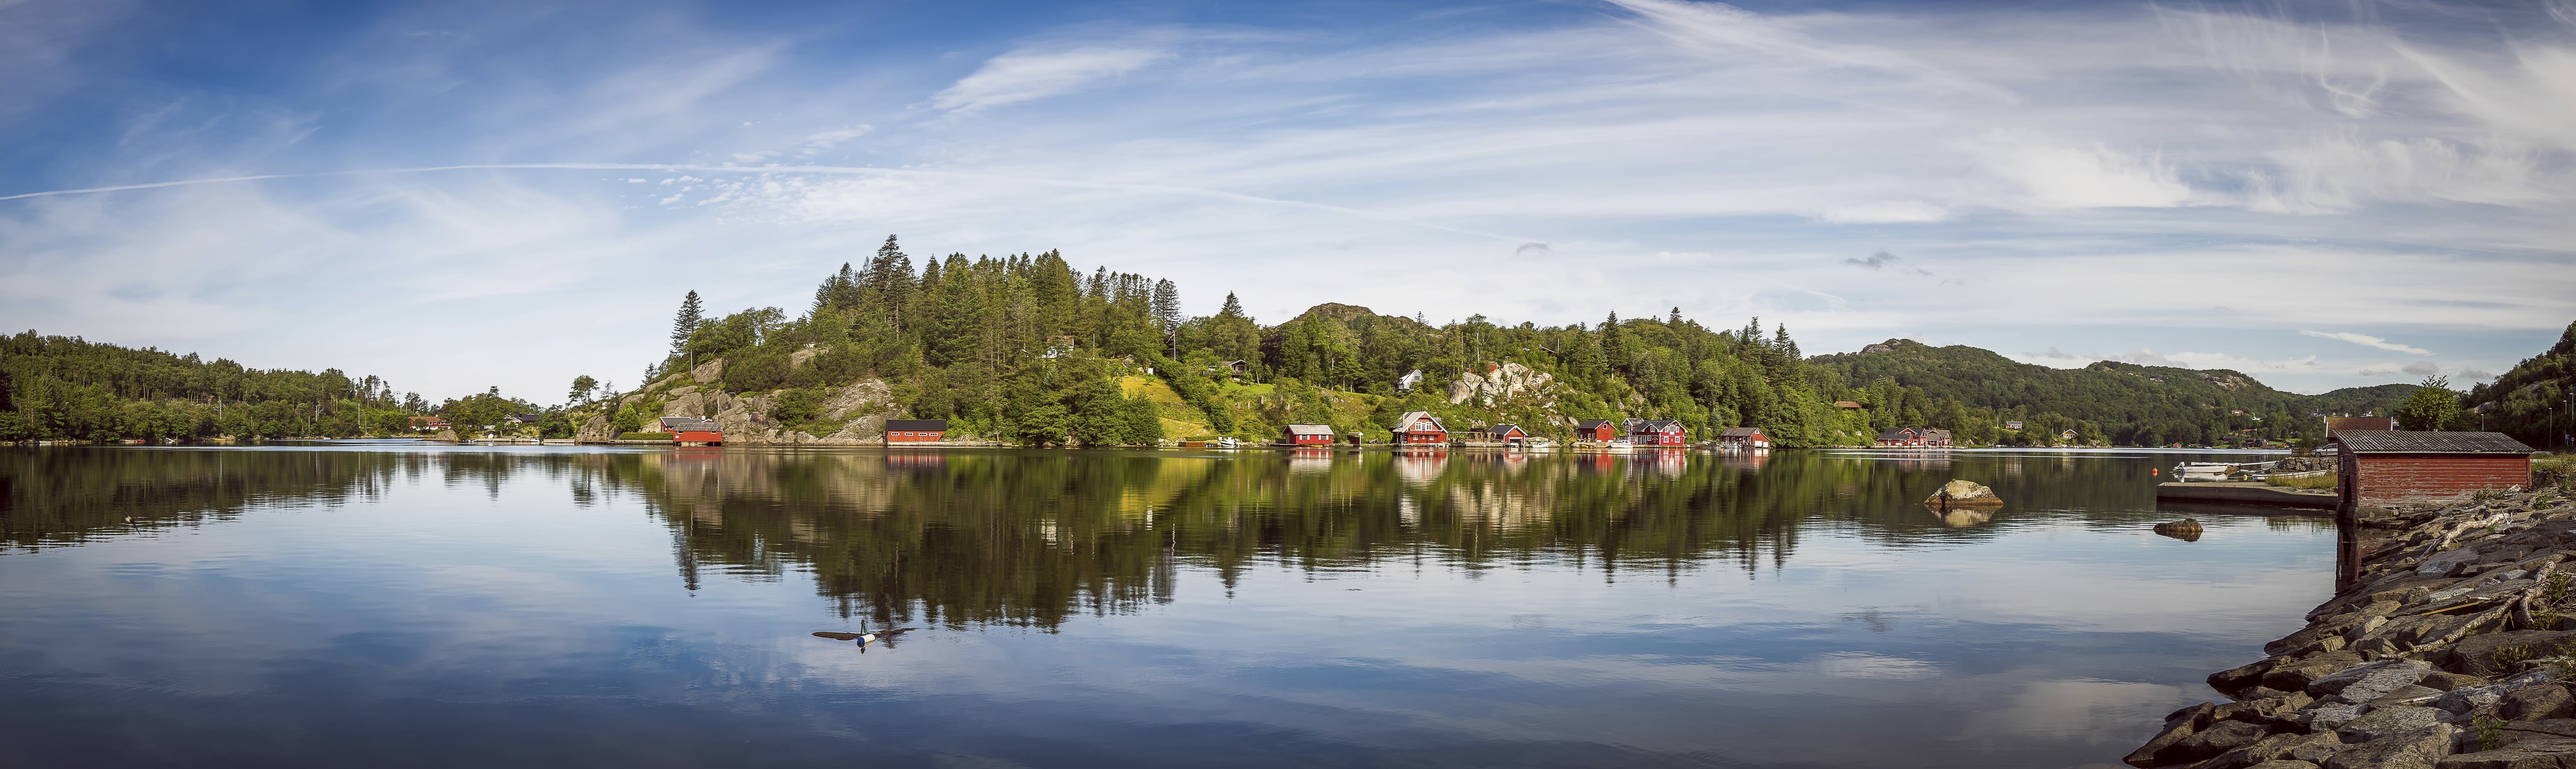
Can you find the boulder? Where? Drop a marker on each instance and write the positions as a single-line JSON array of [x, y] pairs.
[[2218, 738], [2468, 699], [2187, 530], [2544, 753], [2385, 722], [2446, 564], [2370, 680], [2294, 674], [2283, 763], [2241, 677], [2261, 711], [2176, 729], [2538, 703], [2278, 747], [1963, 494], [2477, 655], [2453, 681], [2419, 749]]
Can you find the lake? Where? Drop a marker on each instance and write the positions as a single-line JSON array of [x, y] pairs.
[[399, 604]]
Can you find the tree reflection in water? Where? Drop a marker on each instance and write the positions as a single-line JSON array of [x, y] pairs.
[[1029, 538]]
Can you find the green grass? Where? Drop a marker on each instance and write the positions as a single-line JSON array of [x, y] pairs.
[[643, 436], [2326, 481]]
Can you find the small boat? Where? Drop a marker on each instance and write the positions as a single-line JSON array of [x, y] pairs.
[[1620, 445]]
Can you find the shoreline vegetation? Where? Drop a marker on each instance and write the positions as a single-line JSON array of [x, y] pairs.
[[1027, 350], [2450, 643]]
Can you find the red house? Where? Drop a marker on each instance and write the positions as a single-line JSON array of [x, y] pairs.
[[1601, 430], [1656, 432], [1915, 437], [915, 430], [1307, 435], [2393, 466], [1744, 437], [692, 431], [1418, 427], [1505, 433]]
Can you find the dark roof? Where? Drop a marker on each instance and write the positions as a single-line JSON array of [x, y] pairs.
[[528, 417], [2340, 425], [1593, 424], [1741, 432], [1892, 435], [1931, 432], [1656, 425], [918, 425], [2398, 442], [1503, 429], [688, 424]]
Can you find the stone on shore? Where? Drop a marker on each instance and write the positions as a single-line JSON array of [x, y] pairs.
[[1963, 494], [2417, 749], [2538, 703], [2384, 722]]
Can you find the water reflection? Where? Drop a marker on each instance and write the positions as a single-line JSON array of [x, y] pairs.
[[1143, 608]]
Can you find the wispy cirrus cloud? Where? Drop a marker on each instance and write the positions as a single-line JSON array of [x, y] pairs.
[[2367, 340], [1030, 75]]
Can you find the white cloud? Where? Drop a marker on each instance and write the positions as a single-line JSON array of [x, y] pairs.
[[2051, 174], [1026, 75], [2367, 340]]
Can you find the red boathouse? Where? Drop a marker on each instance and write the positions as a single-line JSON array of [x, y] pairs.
[[915, 430], [2396, 466]]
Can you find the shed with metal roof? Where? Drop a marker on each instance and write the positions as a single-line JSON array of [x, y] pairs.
[[2400, 466]]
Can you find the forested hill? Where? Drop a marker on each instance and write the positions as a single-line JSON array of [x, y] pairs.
[[1029, 349], [68, 388], [2519, 403], [2129, 403]]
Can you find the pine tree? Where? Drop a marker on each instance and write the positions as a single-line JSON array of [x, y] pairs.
[[1233, 308], [692, 314], [1167, 312]]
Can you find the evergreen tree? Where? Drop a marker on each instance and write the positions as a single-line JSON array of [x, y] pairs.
[[692, 315]]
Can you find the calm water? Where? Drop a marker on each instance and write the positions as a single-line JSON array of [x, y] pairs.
[[430, 606]]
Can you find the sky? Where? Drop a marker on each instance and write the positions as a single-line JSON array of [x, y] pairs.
[[459, 195]]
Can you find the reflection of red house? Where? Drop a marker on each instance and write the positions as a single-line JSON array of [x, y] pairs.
[[692, 431], [915, 430], [1602, 430], [1420, 427], [1656, 432], [1308, 435]]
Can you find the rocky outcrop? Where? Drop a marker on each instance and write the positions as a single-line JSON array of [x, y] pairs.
[[1963, 494], [1501, 384], [2449, 652], [857, 411]]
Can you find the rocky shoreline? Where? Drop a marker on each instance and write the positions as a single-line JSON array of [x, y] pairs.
[[2452, 645]]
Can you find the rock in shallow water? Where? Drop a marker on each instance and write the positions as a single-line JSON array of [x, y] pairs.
[[1963, 494]]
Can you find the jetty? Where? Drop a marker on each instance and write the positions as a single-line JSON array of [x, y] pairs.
[[2245, 492]]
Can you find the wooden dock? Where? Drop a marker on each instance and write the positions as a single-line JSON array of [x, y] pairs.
[[2248, 493]]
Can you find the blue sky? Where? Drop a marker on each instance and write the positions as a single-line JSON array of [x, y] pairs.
[[457, 195]]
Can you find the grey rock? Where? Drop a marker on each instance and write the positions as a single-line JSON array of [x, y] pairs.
[[2272, 748], [2371, 680], [2262, 711], [2536, 703], [2219, 738], [2382, 722], [2550, 753], [2176, 729], [2410, 694], [2458, 701], [2476, 655], [2453, 681], [2283, 763], [2292, 675], [2419, 749], [2325, 718], [2445, 564]]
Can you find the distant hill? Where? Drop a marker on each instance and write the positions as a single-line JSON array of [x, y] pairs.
[[2131, 404], [59, 388], [2518, 402]]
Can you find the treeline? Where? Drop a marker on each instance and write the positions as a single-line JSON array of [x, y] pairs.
[[69, 389], [2535, 401], [1973, 391], [1027, 348]]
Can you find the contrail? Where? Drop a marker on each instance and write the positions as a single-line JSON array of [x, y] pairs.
[[834, 170]]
